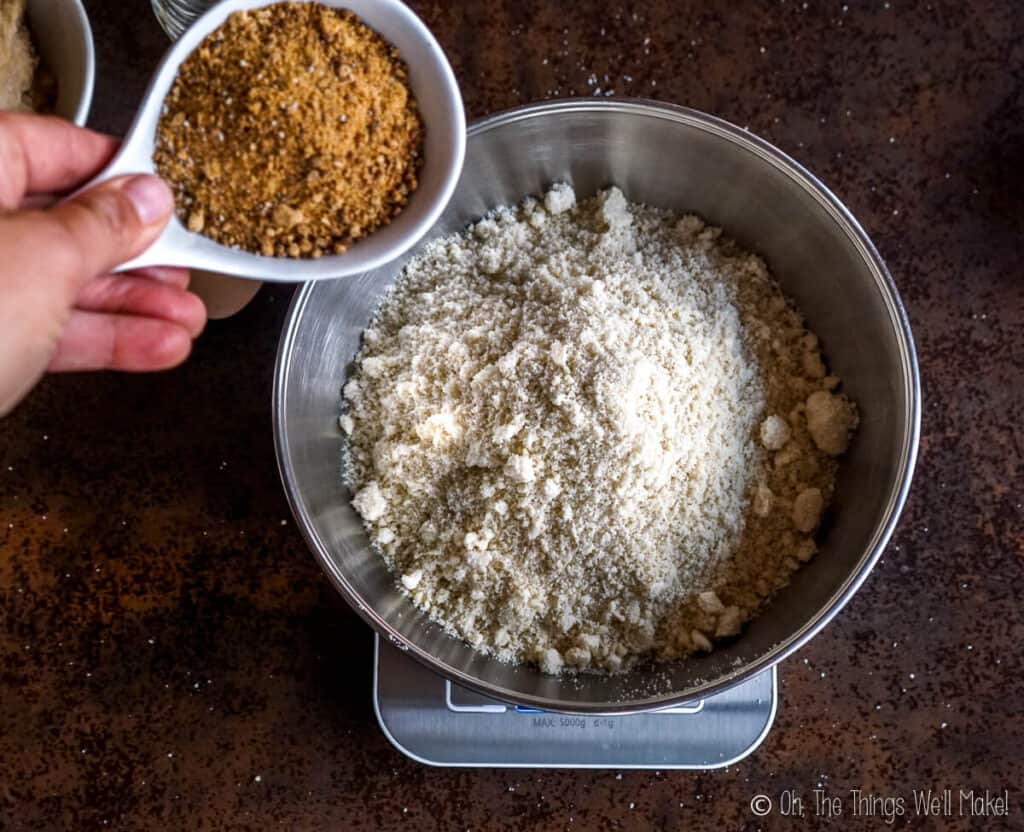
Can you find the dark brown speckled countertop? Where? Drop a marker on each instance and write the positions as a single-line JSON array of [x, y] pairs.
[[172, 658]]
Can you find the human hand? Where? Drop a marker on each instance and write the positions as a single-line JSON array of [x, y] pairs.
[[60, 309]]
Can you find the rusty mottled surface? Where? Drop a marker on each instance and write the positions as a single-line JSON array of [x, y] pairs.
[[171, 658]]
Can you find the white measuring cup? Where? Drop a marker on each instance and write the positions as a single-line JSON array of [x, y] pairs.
[[440, 105]]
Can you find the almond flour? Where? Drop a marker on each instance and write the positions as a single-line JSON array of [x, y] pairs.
[[583, 435], [25, 82], [17, 57]]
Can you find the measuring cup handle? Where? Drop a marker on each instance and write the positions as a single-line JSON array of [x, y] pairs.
[[162, 250], [166, 250], [126, 160]]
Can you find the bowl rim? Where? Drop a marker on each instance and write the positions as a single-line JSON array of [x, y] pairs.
[[884, 526], [81, 28], [81, 115]]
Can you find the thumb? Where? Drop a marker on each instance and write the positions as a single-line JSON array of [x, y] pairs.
[[103, 226], [47, 256]]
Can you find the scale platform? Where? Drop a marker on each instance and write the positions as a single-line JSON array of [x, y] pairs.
[[439, 723]]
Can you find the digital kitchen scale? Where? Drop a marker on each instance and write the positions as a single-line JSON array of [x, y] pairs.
[[439, 723]]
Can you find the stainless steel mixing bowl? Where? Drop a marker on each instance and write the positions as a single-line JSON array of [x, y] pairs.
[[674, 158]]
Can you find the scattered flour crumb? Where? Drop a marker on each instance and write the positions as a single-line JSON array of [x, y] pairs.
[[370, 503], [830, 420], [807, 509], [559, 199], [775, 432]]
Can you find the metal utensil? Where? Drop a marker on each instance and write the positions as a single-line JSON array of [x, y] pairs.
[[440, 104], [673, 158], [175, 16]]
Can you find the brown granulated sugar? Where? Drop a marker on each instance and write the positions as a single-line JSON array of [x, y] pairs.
[[290, 131]]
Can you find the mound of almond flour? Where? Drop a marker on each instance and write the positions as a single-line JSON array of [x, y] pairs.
[[582, 435]]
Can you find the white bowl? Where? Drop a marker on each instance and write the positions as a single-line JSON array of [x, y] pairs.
[[61, 32], [440, 105]]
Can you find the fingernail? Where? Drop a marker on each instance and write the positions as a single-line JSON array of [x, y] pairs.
[[151, 198]]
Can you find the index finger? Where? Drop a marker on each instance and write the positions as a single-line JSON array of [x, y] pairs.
[[45, 154]]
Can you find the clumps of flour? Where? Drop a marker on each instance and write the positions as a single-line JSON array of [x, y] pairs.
[[582, 434]]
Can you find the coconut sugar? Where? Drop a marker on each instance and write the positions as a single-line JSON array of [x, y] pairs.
[[290, 131]]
